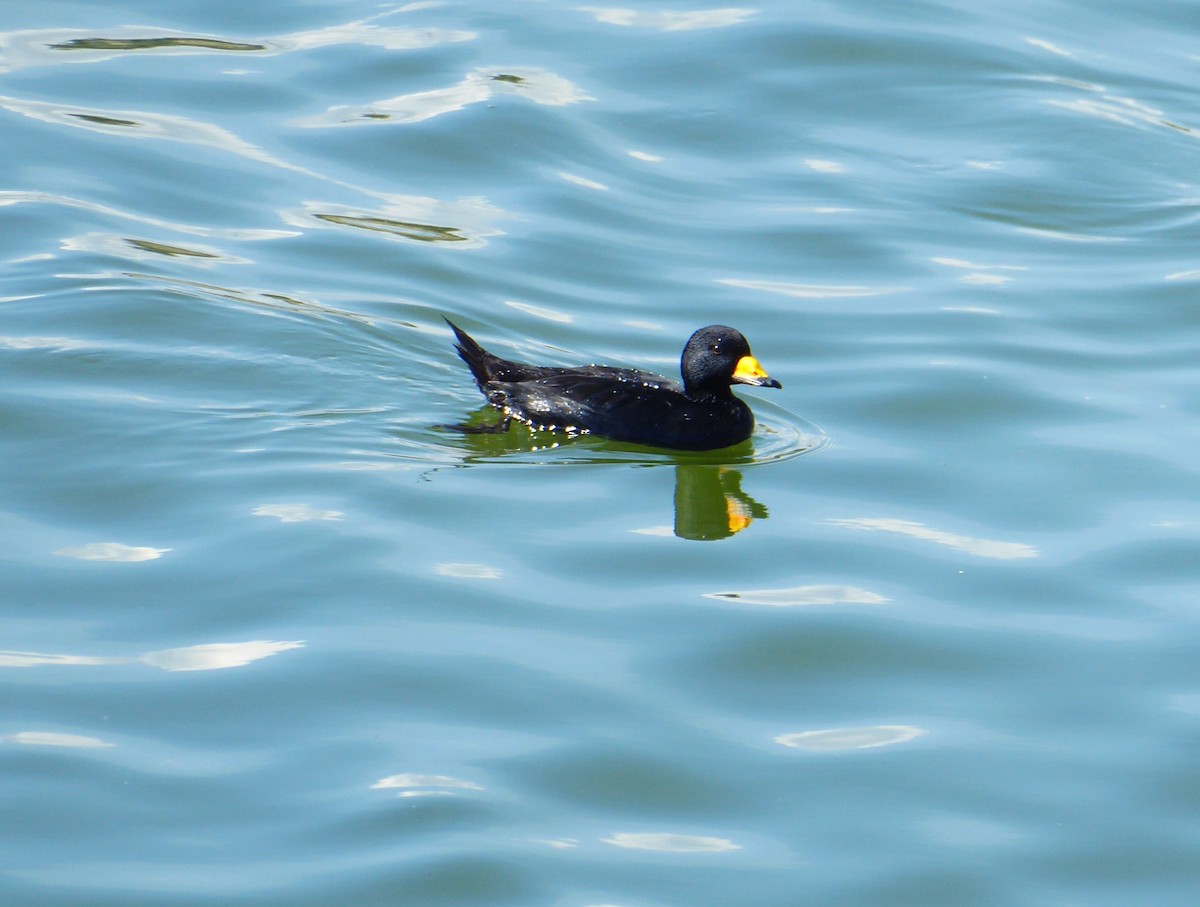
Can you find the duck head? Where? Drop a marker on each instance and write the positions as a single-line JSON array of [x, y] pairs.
[[716, 357]]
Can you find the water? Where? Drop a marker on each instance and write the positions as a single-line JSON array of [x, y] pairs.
[[271, 636]]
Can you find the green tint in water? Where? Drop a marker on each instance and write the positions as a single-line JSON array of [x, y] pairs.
[[155, 44], [408, 230]]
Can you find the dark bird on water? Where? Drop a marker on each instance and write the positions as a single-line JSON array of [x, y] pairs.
[[623, 404]]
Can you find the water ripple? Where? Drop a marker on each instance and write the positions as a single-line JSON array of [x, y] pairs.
[[15, 197], [688, 20], [407, 219], [779, 435], [142, 124], [49, 47], [476, 87]]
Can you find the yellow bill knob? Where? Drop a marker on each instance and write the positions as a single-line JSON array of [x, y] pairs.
[[748, 371]]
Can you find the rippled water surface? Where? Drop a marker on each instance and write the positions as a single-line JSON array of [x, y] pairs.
[[273, 635]]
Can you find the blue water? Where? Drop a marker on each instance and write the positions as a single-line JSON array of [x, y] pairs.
[[272, 635]]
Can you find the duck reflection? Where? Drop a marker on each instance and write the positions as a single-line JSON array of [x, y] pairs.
[[709, 501]]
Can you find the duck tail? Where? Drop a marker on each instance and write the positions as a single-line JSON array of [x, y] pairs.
[[481, 363]]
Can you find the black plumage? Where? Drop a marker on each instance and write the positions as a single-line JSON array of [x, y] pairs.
[[631, 405]]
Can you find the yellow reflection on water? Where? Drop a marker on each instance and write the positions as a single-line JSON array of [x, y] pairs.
[[710, 503]]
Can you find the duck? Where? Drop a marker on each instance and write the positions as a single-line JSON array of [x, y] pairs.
[[625, 404]]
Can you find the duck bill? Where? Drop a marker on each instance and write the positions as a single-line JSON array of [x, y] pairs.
[[748, 371]]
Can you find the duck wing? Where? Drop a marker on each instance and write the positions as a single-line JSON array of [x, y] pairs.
[[627, 405], [584, 398]]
